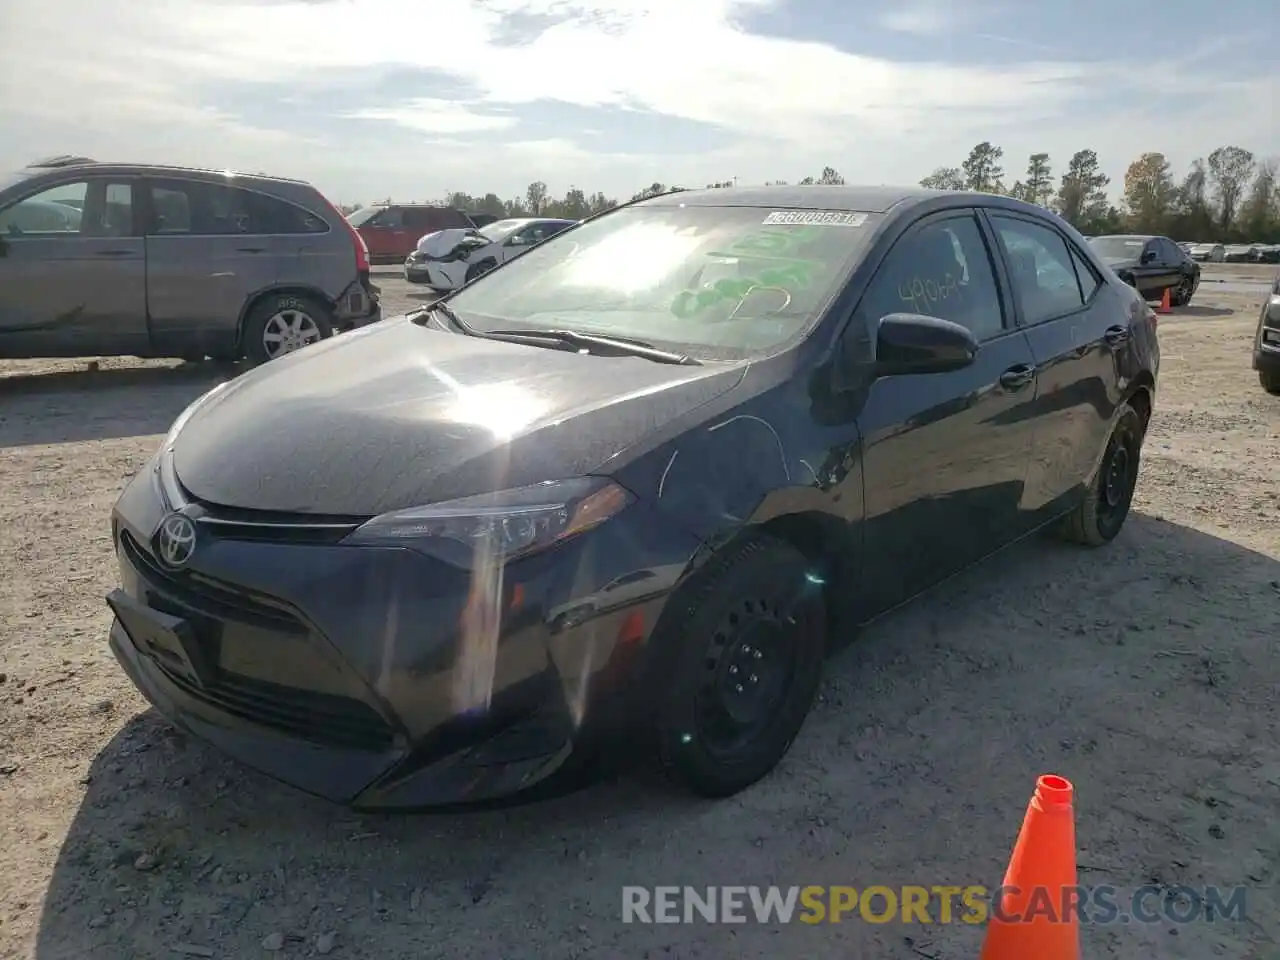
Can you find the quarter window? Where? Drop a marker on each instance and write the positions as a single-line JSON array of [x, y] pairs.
[[941, 270], [1040, 269], [1086, 274]]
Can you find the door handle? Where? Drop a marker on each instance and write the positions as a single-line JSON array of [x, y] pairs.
[[114, 253], [1116, 335], [250, 249], [1015, 378]]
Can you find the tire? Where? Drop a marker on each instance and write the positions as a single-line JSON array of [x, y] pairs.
[[754, 616], [1181, 295], [1100, 517], [478, 270], [1270, 382], [309, 319]]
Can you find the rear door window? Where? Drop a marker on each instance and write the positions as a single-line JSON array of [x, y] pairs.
[[1040, 269]]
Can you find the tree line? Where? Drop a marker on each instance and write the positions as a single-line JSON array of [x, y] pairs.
[[1229, 196]]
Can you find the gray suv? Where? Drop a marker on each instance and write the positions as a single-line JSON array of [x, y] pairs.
[[107, 259]]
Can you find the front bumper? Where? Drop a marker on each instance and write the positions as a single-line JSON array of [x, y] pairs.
[[350, 673], [423, 273]]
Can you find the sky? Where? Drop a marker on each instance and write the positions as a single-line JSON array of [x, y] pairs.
[[415, 98]]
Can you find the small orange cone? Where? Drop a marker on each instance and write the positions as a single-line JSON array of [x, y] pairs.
[[1165, 305], [1036, 916]]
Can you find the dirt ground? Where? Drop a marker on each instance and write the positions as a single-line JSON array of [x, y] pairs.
[[1146, 672]]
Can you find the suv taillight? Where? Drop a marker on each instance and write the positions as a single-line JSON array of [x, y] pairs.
[[362, 251]]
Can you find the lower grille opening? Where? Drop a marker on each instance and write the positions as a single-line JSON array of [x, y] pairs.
[[317, 717]]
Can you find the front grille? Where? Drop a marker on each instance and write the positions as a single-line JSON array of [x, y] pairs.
[[208, 596], [318, 717], [323, 718]]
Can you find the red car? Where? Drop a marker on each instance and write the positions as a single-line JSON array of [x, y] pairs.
[[392, 232]]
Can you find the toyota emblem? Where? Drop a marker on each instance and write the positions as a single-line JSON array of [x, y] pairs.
[[176, 540]]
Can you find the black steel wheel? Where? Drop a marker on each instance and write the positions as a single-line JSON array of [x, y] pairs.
[[1100, 517], [747, 657]]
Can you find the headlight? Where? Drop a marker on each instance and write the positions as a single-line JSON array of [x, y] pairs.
[[499, 526]]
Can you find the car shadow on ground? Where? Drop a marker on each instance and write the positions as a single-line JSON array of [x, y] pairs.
[[1200, 312], [1124, 669], [69, 406]]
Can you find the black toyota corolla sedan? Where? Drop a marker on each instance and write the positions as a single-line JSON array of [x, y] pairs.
[[640, 479]]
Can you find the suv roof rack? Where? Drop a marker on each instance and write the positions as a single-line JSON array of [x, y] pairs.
[[62, 160]]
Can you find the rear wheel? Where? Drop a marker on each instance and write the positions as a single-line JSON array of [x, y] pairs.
[[747, 658], [1099, 518], [283, 323], [1181, 294], [1270, 381]]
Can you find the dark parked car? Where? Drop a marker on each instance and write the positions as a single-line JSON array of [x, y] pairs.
[[1266, 341], [1265, 253], [1152, 265], [380, 570], [391, 232], [102, 259]]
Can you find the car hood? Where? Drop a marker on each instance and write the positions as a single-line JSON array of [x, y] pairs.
[[399, 415]]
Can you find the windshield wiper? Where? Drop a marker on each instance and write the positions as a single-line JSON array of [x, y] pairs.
[[572, 338], [448, 313]]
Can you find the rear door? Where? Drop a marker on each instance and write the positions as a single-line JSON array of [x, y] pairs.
[[73, 271], [944, 455], [1077, 329], [205, 260]]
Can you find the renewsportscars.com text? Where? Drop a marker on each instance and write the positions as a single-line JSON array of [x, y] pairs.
[[928, 905]]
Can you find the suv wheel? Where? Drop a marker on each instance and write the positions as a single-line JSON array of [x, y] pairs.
[[283, 324]]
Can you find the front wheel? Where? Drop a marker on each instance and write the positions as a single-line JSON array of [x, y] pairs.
[[479, 269], [1099, 518], [747, 657]]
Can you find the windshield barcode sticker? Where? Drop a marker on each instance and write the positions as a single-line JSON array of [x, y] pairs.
[[821, 218]]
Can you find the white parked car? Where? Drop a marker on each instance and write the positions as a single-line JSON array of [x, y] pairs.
[[1209, 252], [447, 259]]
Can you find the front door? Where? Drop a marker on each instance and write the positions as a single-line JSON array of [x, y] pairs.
[[73, 272], [944, 455]]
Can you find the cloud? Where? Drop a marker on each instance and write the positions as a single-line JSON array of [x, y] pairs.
[[167, 80], [924, 18], [435, 116]]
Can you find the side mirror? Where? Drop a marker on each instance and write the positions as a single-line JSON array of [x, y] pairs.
[[909, 343], [1149, 257]]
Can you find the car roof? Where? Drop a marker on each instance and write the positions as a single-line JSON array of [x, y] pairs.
[[863, 199], [58, 164], [1125, 236]]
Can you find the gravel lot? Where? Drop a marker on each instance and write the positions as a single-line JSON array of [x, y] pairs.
[[1146, 672]]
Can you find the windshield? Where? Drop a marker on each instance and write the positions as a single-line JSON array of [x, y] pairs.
[[718, 282], [499, 230], [1118, 248], [363, 215]]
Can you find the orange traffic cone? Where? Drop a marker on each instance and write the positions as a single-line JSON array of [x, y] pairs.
[[1165, 305], [1036, 914]]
